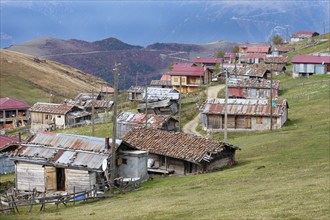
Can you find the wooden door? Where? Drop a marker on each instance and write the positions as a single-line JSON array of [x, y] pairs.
[[50, 178]]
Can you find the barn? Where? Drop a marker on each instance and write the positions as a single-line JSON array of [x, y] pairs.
[[243, 114]]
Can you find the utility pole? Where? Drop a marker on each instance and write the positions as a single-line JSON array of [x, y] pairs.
[[146, 112], [93, 110], [180, 104], [271, 98], [114, 128], [226, 109]]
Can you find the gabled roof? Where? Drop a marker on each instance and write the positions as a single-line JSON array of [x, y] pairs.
[[137, 89], [51, 108], [304, 34], [256, 70], [74, 151], [186, 69], [4, 140], [252, 83], [156, 121], [208, 60], [107, 89], [252, 107], [256, 55], [311, 59], [258, 49], [165, 77], [11, 103], [176, 145]]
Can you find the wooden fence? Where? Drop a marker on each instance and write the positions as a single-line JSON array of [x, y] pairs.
[[11, 200]]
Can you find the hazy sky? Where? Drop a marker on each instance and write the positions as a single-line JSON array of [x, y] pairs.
[[147, 22]]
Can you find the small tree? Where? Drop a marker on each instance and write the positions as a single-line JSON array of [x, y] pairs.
[[277, 39], [220, 54], [235, 49]]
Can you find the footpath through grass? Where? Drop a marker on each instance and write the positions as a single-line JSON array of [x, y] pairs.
[[282, 174]]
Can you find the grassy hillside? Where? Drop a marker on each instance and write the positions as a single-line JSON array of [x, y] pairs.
[[282, 174], [23, 78]]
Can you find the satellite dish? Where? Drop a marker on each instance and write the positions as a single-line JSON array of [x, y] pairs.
[[104, 164]]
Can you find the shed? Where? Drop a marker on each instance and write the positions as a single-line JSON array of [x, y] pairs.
[[163, 107], [180, 153], [128, 120], [63, 162], [252, 88], [306, 65], [244, 114], [6, 165]]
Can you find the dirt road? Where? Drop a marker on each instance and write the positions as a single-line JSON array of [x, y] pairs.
[[190, 127]]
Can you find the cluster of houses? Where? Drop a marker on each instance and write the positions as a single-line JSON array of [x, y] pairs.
[[148, 140]]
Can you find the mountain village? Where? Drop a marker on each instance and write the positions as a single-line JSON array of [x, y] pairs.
[[148, 137]]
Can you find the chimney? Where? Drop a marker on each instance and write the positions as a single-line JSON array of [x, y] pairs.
[[107, 146]]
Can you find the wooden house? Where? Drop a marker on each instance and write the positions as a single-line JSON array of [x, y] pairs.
[[230, 57], [189, 77], [66, 162], [258, 71], [106, 92], [180, 153], [51, 116], [135, 93], [208, 62], [128, 120], [301, 35], [252, 88], [13, 113], [305, 65], [163, 107], [244, 114], [255, 58]]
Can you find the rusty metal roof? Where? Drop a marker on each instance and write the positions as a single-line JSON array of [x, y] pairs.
[[156, 121], [252, 83], [68, 150], [256, 70], [177, 145], [276, 59], [51, 108], [253, 107]]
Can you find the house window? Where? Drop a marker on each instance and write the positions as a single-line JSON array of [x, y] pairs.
[[58, 116], [183, 80], [259, 120], [48, 117], [175, 79]]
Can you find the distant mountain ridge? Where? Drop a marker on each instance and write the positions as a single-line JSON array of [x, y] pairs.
[[139, 65]]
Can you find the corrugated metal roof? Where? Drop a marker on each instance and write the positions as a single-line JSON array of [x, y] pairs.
[[255, 107], [252, 83], [4, 140], [69, 150], [256, 70], [186, 69], [177, 145], [11, 103], [51, 108], [311, 59], [304, 34], [156, 121], [157, 94], [277, 59]]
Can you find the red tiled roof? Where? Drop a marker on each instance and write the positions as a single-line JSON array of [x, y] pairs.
[[186, 69], [311, 59], [230, 55], [176, 145], [4, 140], [10, 103], [258, 49], [255, 55], [107, 89], [304, 34], [207, 60], [165, 77]]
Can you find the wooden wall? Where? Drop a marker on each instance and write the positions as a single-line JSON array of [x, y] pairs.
[[80, 179], [30, 176]]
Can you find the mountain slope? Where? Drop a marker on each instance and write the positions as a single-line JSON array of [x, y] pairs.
[[138, 65], [25, 77]]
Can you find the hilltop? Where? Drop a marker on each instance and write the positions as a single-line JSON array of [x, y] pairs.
[[138, 64], [33, 79]]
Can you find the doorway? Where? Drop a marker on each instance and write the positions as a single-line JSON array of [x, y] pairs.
[[60, 179]]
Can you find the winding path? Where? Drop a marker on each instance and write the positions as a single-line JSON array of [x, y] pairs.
[[190, 127]]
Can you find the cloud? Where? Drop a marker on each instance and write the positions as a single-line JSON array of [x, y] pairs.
[[5, 36]]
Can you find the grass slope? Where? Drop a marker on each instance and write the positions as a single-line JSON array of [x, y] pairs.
[[282, 174], [23, 78]]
